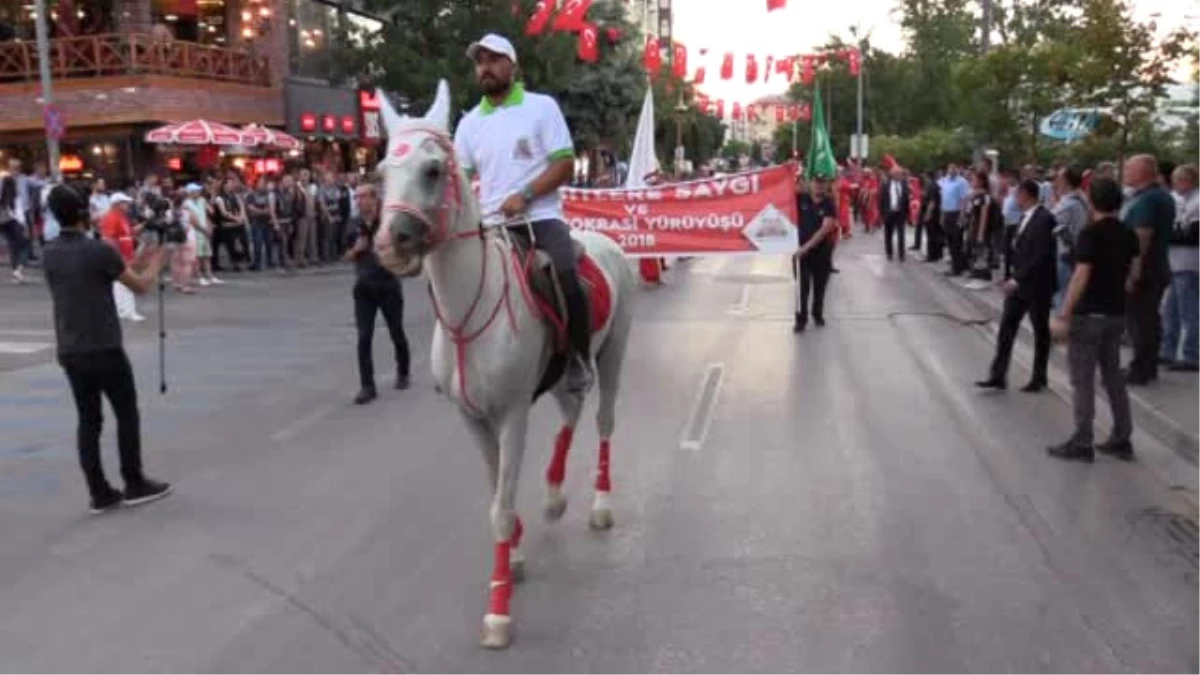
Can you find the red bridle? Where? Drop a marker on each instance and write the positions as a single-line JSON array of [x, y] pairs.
[[452, 206]]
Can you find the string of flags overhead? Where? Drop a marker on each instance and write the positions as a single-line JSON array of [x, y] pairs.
[[571, 17]]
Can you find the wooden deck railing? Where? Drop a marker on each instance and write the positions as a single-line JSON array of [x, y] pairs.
[[132, 54]]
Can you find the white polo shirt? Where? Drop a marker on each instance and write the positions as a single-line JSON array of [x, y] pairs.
[[509, 145]]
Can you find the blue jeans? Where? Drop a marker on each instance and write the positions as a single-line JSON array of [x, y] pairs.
[[263, 235], [1064, 270], [18, 244], [1181, 318]]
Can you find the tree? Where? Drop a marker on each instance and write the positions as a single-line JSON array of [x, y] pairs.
[[1122, 66], [427, 41]]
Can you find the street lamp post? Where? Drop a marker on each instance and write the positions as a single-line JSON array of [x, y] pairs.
[[43, 50]]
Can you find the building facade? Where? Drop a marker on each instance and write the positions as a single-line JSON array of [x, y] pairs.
[[122, 67]]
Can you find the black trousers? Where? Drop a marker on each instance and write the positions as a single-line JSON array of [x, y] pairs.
[[384, 297], [893, 226], [1144, 324], [233, 239], [106, 373], [1015, 309], [952, 226], [815, 269], [937, 239], [918, 231]]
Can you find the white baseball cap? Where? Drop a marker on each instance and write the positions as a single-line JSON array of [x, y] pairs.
[[496, 44], [120, 198]]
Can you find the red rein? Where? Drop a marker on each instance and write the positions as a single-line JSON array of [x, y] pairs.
[[440, 234]]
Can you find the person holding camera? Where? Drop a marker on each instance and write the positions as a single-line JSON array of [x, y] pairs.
[[79, 272], [117, 230]]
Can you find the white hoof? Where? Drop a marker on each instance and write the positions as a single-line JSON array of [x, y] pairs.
[[556, 503], [516, 565], [602, 514], [497, 631]]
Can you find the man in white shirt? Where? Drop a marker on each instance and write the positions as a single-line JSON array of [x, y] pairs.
[[518, 144]]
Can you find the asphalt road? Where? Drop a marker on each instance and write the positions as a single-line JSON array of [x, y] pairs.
[[844, 502]]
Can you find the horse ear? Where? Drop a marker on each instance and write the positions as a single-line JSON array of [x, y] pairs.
[[391, 119], [439, 112]]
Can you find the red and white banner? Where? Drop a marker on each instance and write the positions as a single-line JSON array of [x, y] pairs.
[[752, 212]]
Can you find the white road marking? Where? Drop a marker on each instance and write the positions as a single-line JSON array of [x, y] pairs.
[[23, 347], [696, 429], [743, 303]]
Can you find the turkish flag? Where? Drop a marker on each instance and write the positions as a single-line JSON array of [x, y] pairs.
[[793, 113], [727, 66], [780, 114], [807, 70], [737, 111], [854, 61], [571, 18], [589, 43], [541, 17], [652, 56], [805, 111], [679, 68], [701, 101], [751, 69], [699, 79], [721, 108], [773, 5]]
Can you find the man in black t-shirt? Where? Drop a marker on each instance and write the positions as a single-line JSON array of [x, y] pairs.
[[79, 272], [1092, 319], [814, 257], [375, 290]]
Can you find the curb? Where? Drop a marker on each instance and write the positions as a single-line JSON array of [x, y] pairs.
[[1145, 415]]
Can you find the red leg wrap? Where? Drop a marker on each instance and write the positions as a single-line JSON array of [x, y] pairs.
[[501, 582], [558, 463], [603, 483]]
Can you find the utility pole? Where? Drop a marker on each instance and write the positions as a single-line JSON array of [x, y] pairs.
[[857, 150], [43, 50]]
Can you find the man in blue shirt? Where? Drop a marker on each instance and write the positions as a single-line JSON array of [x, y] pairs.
[[1150, 214], [954, 189]]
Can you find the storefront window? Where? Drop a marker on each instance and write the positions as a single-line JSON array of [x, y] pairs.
[[310, 24], [67, 18], [203, 21]]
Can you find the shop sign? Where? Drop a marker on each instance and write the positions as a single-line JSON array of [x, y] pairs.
[[329, 123], [70, 164], [347, 124], [368, 102], [308, 122]]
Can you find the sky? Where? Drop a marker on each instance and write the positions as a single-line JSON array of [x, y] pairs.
[[717, 26]]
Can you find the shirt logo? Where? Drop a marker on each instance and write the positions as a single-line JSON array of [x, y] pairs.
[[522, 149]]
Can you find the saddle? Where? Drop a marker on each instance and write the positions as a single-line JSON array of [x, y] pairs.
[[545, 284]]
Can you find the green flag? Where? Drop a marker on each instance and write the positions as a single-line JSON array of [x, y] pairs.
[[820, 163]]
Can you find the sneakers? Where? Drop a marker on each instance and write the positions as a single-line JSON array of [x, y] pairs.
[[18, 277], [402, 382], [146, 491], [109, 502]]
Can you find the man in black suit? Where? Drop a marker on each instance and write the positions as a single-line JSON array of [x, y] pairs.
[[894, 198], [1030, 289]]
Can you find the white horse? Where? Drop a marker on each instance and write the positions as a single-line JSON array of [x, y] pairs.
[[493, 345]]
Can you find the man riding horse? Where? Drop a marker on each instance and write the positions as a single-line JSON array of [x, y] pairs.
[[517, 143]]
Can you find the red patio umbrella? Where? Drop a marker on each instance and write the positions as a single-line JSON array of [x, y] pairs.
[[271, 138], [199, 132]]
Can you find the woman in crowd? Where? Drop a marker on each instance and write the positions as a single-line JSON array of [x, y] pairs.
[[984, 221]]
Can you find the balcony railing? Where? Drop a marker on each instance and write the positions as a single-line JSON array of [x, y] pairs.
[[132, 54]]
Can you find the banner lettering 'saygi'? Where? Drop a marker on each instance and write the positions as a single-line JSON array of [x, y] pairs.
[[752, 212]]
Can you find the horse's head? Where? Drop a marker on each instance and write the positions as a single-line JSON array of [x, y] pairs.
[[426, 200]]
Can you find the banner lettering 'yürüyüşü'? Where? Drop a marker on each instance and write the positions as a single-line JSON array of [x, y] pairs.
[[753, 212]]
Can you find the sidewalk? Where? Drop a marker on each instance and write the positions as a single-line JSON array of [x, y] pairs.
[[1168, 409]]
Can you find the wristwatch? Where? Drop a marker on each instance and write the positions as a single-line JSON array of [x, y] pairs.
[[527, 193]]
